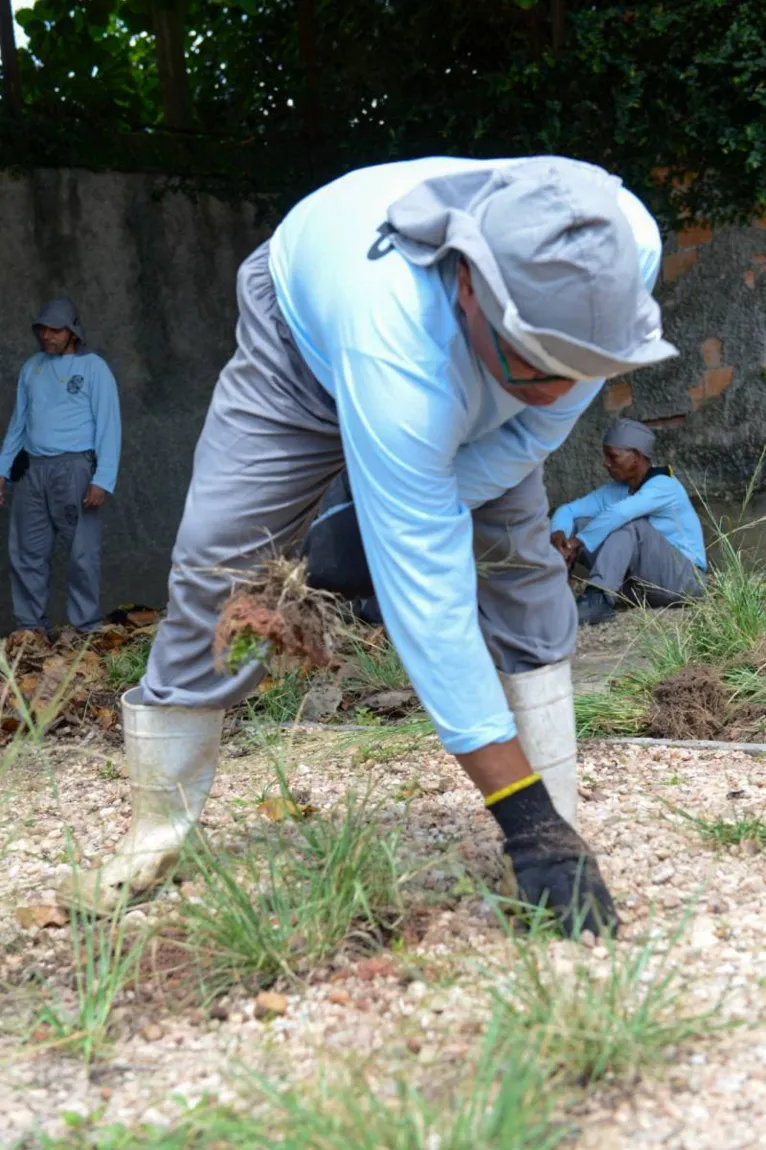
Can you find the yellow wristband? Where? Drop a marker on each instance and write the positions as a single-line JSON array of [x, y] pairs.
[[511, 789]]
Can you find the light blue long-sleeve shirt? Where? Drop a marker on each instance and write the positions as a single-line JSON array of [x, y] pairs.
[[662, 499], [66, 403], [427, 433]]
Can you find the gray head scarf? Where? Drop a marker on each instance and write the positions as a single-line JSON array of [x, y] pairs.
[[630, 434], [61, 313], [553, 261]]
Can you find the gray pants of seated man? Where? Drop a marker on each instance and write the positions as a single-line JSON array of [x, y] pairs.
[[638, 559], [46, 506], [269, 449]]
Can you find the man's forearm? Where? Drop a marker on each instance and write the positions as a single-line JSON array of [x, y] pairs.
[[495, 766]]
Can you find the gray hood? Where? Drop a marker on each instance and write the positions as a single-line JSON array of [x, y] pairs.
[[631, 435], [61, 313], [553, 260]]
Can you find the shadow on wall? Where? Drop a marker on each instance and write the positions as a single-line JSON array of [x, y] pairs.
[[153, 272]]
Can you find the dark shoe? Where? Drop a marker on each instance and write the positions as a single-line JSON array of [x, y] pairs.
[[593, 607]]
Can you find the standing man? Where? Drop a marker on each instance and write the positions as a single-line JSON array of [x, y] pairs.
[[67, 422], [436, 326], [638, 534]]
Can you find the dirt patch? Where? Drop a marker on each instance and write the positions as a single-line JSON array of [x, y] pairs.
[[168, 973], [689, 705], [696, 703], [747, 725]]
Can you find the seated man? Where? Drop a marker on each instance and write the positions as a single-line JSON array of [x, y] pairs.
[[638, 532]]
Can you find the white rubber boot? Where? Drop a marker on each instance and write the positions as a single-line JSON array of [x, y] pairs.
[[172, 754], [542, 702]]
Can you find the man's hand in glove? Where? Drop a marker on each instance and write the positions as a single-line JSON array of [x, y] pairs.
[[552, 864]]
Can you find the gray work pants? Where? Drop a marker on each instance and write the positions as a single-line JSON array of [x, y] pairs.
[[269, 449], [47, 505], [638, 561]]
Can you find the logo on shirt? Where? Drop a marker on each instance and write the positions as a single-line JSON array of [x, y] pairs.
[[74, 384]]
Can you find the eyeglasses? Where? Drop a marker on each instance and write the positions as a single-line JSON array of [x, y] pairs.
[[505, 367]]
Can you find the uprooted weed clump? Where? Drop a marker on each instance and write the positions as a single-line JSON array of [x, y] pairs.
[[688, 705], [698, 703], [276, 614]]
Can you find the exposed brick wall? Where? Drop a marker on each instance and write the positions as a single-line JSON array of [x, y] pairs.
[[709, 404], [677, 263], [618, 395], [683, 250]]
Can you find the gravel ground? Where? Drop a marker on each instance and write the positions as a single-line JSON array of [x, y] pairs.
[[611, 648], [400, 1007]]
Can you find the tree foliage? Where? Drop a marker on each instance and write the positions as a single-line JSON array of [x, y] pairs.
[[303, 89]]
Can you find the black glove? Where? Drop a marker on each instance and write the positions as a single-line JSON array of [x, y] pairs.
[[554, 867]]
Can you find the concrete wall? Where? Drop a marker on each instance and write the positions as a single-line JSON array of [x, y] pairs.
[[153, 272]]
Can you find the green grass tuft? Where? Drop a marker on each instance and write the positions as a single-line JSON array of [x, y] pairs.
[[125, 668], [721, 832], [281, 698], [606, 1020], [103, 965], [373, 662], [311, 885], [619, 710]]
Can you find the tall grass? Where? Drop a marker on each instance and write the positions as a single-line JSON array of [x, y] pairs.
[[103, 964], [729, 619], [498, 1101], [619, 710], [607, 1020], [312, 884], [280, 699], [373, 662], [562, 1021]]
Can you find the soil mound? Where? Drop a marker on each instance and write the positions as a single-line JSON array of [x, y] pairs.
[[691, 704], [697, 703]]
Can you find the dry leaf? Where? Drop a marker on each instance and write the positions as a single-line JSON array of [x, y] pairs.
[[142, 618], [29, 641], [56, 665], [276, 810], [105, 717], [269, 1002], [110, 638], [28, 685], [89, 666], [28, 916]]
